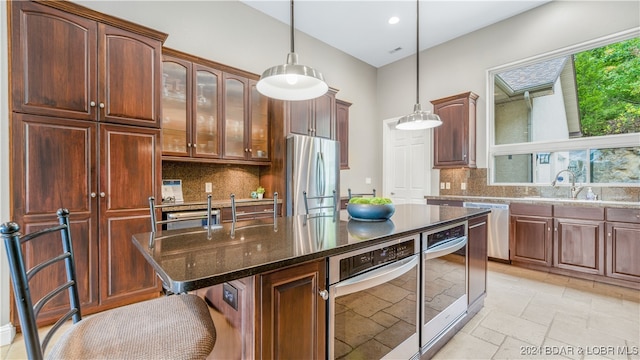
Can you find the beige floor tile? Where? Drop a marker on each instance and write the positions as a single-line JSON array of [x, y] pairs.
[[516, 349], [489, 335], [515, 327], [464, 346]]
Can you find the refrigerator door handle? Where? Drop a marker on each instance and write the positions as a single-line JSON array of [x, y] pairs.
[[320, 174]]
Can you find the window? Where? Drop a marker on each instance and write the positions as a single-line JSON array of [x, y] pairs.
[[576, 109]]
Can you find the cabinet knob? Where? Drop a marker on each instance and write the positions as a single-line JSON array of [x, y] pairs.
[[188, 144], [92, 104], [246, 150], [249, 149], [102, 194], [101, 105], [93, 194], [193, 145], [324, 294]]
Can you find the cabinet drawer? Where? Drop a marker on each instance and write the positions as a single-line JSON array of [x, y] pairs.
[[623, 215], [531, 209], [444, 202], [576, 212]]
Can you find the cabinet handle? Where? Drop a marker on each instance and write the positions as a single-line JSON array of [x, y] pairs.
[[93, 195], [555, 229], [101, 105], [324, 294], [102, 194], [92, 104], [188, 144], [609, 234]]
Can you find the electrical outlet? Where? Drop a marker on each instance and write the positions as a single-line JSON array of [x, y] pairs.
[[447, 185], [463, 186], [367, 180], [230, 295], [442, 186], [208, 187]]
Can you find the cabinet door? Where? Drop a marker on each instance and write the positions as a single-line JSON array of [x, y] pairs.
[[176, 109], [53, 166], [290, 304], [65, 84], [324, 112], [454, 140], [342, 133], [623, 247], [259, 135], [235, 112], [530, 240], [300, 117], [130, 75], [477, 237], [206, 117], [130, 172], [579, 245]]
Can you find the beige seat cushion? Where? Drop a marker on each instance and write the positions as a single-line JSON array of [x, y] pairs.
[[172, 327]]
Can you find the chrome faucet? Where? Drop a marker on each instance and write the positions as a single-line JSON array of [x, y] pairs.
[[575, 190]]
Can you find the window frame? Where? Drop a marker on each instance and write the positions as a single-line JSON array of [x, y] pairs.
[[584, 143]]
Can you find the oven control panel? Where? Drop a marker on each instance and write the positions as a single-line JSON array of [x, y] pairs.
[[443, 236], [357, 264]]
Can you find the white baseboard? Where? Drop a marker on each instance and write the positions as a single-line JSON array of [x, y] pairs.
[[7, 333]]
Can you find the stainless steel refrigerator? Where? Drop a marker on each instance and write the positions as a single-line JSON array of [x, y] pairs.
[[313, 165]]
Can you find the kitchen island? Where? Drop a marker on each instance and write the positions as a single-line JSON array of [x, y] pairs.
[[288, 254]]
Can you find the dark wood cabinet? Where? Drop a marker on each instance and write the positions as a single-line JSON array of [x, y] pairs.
[[315, 117], [226, 216], [292, 313], [73, 67], [578, 242], [477, 258], [342, 133], [530, 235], [454, 142], [85, 117], [91, 169], [623, 244]]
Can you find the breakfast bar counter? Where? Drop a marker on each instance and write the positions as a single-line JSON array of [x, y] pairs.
[[190, 259]]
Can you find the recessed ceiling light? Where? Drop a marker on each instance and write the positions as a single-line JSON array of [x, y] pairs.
[[394, 20]]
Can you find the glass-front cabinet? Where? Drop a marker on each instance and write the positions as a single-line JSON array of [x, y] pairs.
[[211, 114], [246, 122], [190, 109]]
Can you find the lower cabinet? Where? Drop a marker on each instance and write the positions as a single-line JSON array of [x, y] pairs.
[[226, 216], [578, 242], [291, 313], [477, 258], [530, 233], [623, 244]]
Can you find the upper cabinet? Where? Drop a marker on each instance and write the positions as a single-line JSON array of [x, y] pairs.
[[455, 140], [246, 122], [342, 134], [190, 109], [94, 69], [315, 117], [211, 112]]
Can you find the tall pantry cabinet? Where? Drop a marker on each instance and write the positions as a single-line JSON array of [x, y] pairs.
[[85, 136]]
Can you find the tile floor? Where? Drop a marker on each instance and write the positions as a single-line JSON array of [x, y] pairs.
[[530, 315]]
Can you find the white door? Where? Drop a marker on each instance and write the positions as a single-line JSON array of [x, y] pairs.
[[406, 164]]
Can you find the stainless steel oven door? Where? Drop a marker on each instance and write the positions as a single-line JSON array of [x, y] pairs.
[[444, 295], [374, 315]]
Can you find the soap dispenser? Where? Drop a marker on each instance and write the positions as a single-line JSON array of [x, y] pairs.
[[590, 194]]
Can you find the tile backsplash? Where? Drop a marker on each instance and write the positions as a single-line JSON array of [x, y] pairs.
[[476, 185], [240, 180]]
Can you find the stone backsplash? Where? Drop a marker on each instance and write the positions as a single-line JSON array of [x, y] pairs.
[[476, 185], [226, 179]]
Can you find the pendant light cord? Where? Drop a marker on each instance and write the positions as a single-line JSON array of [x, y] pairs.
[[417, 50], [292, 41]]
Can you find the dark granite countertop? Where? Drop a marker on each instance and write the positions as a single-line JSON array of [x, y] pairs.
[[540, 200], [187, 259], [215, 204]]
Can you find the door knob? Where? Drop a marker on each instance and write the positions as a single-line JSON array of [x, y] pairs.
[[324, 294]]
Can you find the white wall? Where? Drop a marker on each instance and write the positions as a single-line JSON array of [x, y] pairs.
[[460, 65], [234, 34]]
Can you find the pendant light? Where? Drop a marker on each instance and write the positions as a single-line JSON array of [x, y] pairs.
[[292, 81], [418, 119]]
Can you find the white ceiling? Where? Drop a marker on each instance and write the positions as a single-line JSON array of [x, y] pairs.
[[360, 28]]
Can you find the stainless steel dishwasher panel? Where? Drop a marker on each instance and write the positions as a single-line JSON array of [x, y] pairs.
[[498, 232]]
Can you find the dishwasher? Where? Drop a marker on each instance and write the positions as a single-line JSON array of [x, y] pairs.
[[498, 232]]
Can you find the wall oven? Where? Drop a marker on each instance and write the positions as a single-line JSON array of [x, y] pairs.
[[373, 302], [444, 274]]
